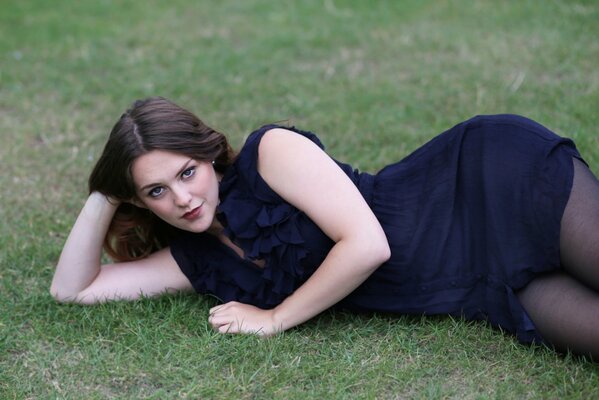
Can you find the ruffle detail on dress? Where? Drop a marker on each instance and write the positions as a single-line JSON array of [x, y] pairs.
[[262, 224], [213, 269], [265, 231]]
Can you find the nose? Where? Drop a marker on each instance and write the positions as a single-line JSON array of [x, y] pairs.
[[182, 197]]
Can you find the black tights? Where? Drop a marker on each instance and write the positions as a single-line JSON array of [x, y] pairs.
[[565, 305]]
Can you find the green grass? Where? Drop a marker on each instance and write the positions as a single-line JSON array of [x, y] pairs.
[[374, 79]]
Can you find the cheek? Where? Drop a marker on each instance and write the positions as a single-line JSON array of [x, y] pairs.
[[215, 189], [159, 208], [208, 186]]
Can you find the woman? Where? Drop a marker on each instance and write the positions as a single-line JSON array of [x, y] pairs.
[[494, 219]]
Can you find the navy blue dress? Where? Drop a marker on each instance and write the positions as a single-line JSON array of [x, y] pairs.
[[471, 217]]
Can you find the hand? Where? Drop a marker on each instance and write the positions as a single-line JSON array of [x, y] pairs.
[[234, 317]]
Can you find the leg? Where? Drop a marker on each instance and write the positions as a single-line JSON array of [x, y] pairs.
[[565, 312], [579, 236], [565, 306]]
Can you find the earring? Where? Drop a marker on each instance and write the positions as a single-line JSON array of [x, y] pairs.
[[212, 162]]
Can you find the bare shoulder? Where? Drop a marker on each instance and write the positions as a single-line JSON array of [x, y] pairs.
[[282, 140], [281, 151], [305, 176]]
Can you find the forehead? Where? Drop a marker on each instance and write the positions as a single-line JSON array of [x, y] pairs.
[[157, 166]]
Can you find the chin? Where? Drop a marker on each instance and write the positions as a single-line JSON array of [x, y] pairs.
[[195, 230], [199, 226]]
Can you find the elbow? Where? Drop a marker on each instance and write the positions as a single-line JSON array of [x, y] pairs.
[[382, 252], [58, 295], [369, 249], [386, 254], [61, 295], [378, 252]]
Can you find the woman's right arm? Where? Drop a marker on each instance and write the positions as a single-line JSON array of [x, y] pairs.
[[80, 277]]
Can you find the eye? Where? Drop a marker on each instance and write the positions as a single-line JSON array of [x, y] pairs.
[[155, 192], [188, 173]]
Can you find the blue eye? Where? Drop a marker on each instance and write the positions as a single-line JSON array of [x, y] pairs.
[[188, 173], [157, 191]]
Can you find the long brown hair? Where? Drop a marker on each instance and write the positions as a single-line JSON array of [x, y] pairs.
[[151, 124]]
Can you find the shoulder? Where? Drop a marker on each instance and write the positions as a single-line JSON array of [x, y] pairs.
[[270, 146], [280, 148], [284, 139], [275, 135]]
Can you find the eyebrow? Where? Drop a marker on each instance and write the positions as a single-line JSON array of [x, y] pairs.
[[179, 172]]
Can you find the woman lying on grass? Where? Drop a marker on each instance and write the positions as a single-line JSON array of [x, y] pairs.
[[495, 219]]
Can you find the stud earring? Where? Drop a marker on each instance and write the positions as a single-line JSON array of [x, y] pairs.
[[212, 162]]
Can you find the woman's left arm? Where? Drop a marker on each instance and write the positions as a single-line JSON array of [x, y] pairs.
[[305, 176]]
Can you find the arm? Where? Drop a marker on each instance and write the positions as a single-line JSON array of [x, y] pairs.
[[306, 177], [80, 277]]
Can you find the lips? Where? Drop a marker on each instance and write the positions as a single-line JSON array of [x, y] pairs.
[[193, 214]]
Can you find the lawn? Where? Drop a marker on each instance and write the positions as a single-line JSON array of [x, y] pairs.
[[374, 79]]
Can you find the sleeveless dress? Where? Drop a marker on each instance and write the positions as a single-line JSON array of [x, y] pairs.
[[471, 217]]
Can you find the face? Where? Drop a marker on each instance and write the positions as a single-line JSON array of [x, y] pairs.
[[178, 189]]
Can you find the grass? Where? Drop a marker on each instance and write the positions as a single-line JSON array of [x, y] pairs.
[[374, 79]]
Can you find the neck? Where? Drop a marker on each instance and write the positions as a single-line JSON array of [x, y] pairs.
[[215, 228]]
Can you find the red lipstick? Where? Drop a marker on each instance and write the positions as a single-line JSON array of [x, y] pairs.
[[193, 214]]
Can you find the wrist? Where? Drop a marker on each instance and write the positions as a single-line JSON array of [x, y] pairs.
[[98, 207], [101, 200]]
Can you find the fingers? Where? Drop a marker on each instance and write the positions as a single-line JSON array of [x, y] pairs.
[[223, 321], [226, 328], [219, 314], [234, 317], [221, 307]]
